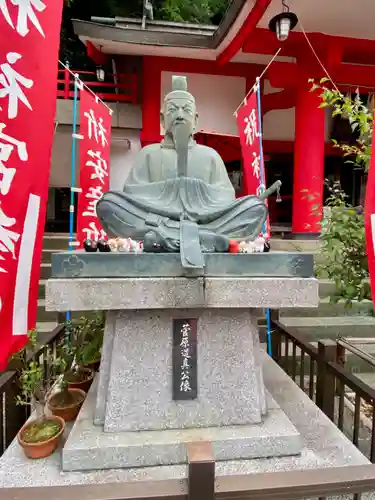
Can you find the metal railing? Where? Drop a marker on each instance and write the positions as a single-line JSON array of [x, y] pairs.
[[351, 345], [320, 372], [120, 88], [13, 416]]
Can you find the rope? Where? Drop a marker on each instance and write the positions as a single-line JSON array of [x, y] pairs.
[[317, 58], [257, 81], [76, 77]]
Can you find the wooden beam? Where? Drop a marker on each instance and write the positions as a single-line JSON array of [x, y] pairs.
[[282, 75], [201, 66], [201, 479], [244, 32], [330, 481], [355, 75], [285, 99]]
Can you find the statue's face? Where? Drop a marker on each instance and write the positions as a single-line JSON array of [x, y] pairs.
[[177, 112]]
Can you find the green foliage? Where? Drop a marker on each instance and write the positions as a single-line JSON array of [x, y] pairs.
[[37, 432], [196, 11], [343, 251], [37, 374], [343, 234], [85, 342], [91, 351], [40, 369], [360, 119]]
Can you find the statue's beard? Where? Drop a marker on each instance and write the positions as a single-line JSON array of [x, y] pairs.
[[176, 128]]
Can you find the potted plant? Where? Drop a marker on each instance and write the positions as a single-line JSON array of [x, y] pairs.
[[40, 436], [67, 400]]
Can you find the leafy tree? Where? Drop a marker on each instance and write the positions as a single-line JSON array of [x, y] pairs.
[[196, 11], [343, 233], [360, 119], [344, 259]]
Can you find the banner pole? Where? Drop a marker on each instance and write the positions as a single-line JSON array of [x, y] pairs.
[[73, 167], [263, 183]]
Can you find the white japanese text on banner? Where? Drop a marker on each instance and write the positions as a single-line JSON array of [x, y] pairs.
[[30, 32], [254, 177], [95, 149]]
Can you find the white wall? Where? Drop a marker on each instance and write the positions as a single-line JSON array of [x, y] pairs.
[[217, 98], [279, 125], [121, 156]]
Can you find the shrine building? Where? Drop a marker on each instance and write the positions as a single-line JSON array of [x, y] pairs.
[[136, 59]]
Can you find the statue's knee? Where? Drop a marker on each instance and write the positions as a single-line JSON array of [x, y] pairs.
[[109, 204], [104, 208], [257, 208]]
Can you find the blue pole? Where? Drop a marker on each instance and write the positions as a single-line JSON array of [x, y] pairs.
[[263, 182], [73, 167]]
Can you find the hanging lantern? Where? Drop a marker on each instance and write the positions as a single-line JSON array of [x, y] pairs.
[[283, 23]]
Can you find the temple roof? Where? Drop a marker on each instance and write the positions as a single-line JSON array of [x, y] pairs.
[[164, 32], [243, 34], [128, 36]]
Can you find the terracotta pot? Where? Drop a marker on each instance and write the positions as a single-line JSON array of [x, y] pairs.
[[45, 448], [86, 384], [93, 366], [68, 412]]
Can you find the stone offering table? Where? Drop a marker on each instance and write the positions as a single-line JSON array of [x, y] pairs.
[[147, 407]]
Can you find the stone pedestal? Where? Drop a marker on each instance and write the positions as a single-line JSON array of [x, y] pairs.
[[130, 419], [135, 383]]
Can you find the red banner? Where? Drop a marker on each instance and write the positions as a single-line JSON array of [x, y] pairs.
[[30, 31], [95, 150], [254, 178], [370, 220]]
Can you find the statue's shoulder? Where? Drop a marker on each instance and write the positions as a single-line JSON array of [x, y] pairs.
[[207, 152], [151, 148]]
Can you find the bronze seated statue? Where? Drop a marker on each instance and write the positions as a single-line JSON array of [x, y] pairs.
[[178, 196]]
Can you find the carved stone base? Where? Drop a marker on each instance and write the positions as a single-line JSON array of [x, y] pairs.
[[90, 448], [135, 381]]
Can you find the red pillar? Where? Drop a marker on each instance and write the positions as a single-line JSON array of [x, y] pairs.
[[308, 162], [151, 100]]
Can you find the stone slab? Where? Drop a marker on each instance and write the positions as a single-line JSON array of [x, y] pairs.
[[87, 294], [105, 366], [324, 446], [230, 383], [90, 448], [80, 264]]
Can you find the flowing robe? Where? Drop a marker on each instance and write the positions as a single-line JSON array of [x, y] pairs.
[[155, 198]]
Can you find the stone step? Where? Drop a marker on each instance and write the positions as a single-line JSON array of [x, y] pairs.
[[308, 246], [47, 255], [326, 309], [45, 316], [43, 328], [45, 271], [42, 289], [56, 241], [367, 378], [314, 329], [326, 288]]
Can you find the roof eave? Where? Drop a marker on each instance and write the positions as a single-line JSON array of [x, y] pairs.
[[87, 29], [180, 34]]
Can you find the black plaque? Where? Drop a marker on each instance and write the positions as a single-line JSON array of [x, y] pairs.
[[185, 376]]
